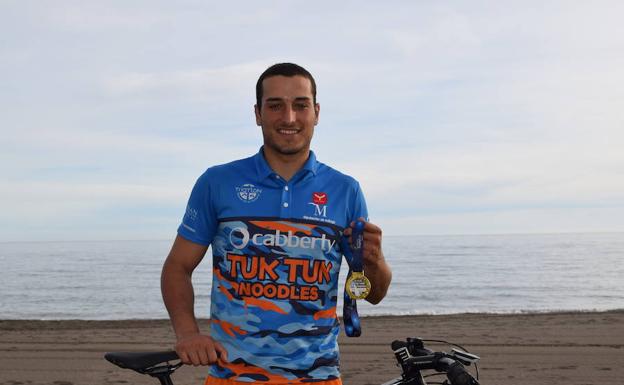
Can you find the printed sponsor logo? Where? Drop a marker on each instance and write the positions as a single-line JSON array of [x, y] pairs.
[[304, 277], [248, 193], [320, 198], [240, 238], [319, 202], [319, 210], [191, 213]]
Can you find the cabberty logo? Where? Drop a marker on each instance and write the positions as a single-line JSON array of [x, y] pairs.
[[240, 238], [248, 193]]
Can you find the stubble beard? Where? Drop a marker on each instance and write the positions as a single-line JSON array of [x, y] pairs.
[[285, 149]]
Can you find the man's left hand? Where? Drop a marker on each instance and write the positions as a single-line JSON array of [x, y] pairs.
[[375, 267]]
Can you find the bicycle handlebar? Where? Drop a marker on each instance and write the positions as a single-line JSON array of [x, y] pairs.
[[413, 357]]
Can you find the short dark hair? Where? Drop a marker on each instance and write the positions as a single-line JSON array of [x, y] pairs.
[[283, 69]]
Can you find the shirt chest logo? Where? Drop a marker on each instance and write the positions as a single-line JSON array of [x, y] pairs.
[[319, 202], [248, 193], [320, 198]]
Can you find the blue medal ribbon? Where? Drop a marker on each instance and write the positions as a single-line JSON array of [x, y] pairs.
[[353, 255]]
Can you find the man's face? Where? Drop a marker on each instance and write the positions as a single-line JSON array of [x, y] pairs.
[[288, 114]]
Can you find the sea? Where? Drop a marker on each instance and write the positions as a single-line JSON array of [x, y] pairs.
[[444, 274]]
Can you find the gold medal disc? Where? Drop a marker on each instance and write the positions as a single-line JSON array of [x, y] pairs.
[[358, 286]]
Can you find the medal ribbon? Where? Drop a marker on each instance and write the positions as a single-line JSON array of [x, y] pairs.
[[353, 255]]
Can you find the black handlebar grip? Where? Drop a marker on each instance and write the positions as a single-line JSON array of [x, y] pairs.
[[458, 375], [397, 344]]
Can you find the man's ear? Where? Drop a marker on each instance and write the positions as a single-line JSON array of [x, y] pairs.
[[257, 112], [317, 111]]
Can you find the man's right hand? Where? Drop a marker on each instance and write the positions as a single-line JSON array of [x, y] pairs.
[[198, 349]]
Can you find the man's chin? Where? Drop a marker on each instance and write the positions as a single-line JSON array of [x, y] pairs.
[[289, 150]]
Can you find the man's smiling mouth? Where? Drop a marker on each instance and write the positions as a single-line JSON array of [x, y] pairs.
[[284, 131]]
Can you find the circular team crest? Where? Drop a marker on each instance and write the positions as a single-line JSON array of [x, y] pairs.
[[248, 193]]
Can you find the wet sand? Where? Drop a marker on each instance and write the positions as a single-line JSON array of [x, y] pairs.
[[552, 348]]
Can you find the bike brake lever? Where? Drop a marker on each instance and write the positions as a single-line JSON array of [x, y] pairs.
[[464, 357]]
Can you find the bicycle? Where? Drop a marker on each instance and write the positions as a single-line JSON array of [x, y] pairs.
[[412, 357]]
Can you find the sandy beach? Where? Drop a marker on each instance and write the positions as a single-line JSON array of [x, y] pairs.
[[552, 348]]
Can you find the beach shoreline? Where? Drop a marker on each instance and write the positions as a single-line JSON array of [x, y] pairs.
[[520, 348]]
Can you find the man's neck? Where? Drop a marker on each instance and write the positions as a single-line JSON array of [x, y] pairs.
[[285, 166]]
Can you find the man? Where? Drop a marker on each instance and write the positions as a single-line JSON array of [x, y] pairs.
[[274, 221]]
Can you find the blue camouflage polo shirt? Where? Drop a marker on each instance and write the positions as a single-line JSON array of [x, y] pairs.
[[276, 261]]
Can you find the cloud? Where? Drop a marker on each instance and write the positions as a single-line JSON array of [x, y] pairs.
[[210, 84], [508, 221], [489, 177], [470, 117], [88, 209], [50, 200]]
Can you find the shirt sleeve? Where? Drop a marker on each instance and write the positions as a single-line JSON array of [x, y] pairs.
[[358, 207], [199, 223]]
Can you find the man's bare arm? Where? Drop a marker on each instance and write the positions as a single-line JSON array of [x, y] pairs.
[[177, 291]]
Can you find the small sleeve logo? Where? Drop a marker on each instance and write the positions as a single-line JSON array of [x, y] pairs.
[[191, 214]]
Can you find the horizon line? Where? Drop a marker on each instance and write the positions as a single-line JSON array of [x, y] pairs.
[[385, 236]]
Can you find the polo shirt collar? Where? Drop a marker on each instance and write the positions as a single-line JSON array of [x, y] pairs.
[[264, 170]]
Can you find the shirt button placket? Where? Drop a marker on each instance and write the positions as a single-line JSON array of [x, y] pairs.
[[285, 207]]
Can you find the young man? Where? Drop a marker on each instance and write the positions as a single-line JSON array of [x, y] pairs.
[[274, 221]]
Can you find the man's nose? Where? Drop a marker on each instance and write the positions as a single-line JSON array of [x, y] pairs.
[[289, 115]]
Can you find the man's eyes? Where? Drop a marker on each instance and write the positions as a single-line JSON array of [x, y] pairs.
[[296, 106]]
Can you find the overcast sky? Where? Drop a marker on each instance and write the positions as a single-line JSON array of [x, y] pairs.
[[457, 117]]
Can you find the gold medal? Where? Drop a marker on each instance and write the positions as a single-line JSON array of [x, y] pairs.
[[358, 286]]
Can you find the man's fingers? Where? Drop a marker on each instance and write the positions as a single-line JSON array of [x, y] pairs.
[[194, 357], [368, 227], [184, 357], [221, 351], [372, 237], [371, 228], [205, 356], [200, 350], [212, 356]]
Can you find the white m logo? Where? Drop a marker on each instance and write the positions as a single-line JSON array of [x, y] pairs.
[[319, 210]]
